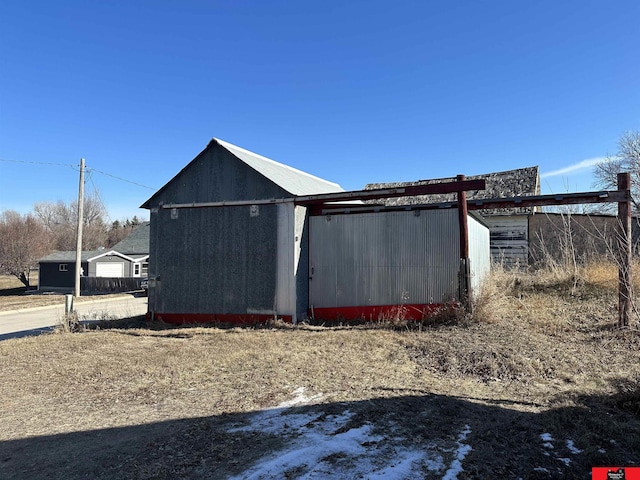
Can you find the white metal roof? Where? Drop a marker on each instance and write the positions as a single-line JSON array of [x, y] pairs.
[[291, 179]]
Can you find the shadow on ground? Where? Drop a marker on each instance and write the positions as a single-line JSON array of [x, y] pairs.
[[413, 435]]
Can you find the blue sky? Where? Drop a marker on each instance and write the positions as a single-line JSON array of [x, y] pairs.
[[354, 92]]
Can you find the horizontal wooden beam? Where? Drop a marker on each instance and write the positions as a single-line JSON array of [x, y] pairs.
[[406, 191], [548, 200], [486, 204]]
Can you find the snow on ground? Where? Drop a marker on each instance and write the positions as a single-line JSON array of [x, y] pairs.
[[572, 448], [319, 446], [322, 446], [461, 452], [547, 440]]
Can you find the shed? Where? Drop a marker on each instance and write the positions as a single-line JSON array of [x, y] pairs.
[[387, 264], [233, 236], [509, 228], [227, 242]]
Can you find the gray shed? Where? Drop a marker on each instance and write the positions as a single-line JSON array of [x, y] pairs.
[[227, 242], [387, 264]]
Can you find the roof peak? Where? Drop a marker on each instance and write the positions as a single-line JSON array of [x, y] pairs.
[[231, 147]]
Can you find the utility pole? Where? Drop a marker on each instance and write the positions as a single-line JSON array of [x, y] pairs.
[[79, 234]]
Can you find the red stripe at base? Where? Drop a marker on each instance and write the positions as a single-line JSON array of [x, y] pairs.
[[217, 318], [378, 313]]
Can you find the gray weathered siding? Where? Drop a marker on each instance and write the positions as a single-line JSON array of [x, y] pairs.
[[509, 239], [219, 260], [385, 258], [215, 175], [214, 260]]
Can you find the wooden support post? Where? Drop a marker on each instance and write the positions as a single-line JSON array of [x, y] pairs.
[[624, 248], [464, 271]]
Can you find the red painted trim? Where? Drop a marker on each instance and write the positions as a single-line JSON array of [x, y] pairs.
[[225, 318], [379, 312]]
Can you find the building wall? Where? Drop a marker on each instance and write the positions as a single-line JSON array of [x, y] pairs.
[[50, 276], [479, 253], [127, 266], [222, 260], [215, 175], [567, 237], [214, 260], [301, 260], [384, 258], [509, 239]]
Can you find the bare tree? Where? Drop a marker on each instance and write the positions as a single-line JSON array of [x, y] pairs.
[[23, 240], [627, 159], [121, 230], [61, 220]]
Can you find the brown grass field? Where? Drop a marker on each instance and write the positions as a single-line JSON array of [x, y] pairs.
[[537, 383]]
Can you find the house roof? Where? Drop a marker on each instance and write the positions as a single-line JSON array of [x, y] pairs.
[[137, 242], [294, 181], [520, 182], [69, 256]]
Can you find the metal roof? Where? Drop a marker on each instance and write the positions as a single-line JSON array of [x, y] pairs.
[[290, 179], [294, 181], [136, 242]]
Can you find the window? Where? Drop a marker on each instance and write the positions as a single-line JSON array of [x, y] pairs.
[[145, 268], [63, 267], [136, 269]]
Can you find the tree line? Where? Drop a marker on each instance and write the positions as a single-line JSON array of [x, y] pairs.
[[25, 238]]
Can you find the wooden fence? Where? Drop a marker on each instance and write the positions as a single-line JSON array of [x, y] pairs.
[[109, 285]]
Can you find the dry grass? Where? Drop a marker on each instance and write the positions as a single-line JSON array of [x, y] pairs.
[[539, 355]]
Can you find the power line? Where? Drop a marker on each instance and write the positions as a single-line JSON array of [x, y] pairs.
[[39, 163], [95, 191], [123, 179], [75, 167]]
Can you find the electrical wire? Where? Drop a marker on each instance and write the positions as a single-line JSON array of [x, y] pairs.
[[124, 179], [97, 194], [38, 163], [76, 168]]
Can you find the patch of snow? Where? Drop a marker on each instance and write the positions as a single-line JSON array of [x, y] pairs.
[[602, 450], [456, 466], [547, 439], [566, 461], [299, 399], [321, 446], [572, 448], [541, 469]]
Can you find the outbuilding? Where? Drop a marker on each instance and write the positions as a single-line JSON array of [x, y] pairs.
[[227, 242], [239, 238]]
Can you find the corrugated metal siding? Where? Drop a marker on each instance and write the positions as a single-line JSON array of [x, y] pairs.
[[385, 258], [286, 279], [213, 260], [509, 239], [301, 259], [479, 253]]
